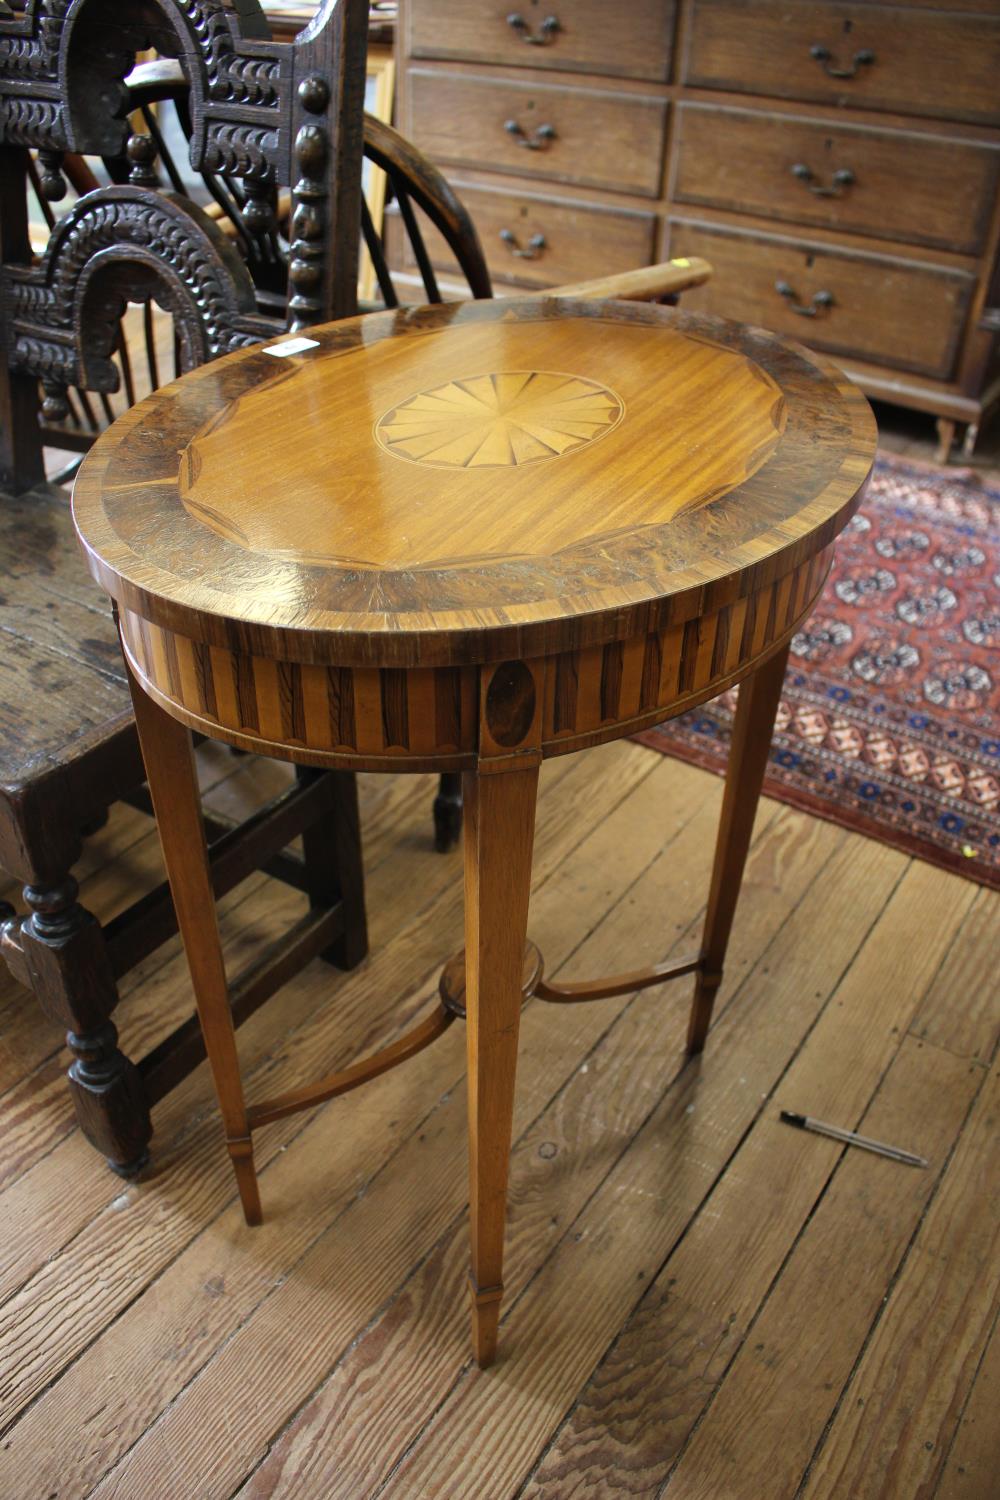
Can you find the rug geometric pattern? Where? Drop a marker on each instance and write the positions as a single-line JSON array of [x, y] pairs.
[[890, 716]]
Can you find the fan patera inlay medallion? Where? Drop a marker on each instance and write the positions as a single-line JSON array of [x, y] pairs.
[[500, 420]]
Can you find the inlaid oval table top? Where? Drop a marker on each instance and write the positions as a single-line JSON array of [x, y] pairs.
[[471, 483]]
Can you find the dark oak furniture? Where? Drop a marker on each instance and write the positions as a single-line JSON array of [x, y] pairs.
[[266, 115], [837, 164], [68, 748], [261, 116], [531, 526]]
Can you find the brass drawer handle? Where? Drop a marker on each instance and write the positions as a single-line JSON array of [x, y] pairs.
[[545, 36], [535, 249], [839, 182], [819, 304], [823, 55], [539, 140]]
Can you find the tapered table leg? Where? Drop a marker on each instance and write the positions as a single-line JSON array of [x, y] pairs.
[[752, 730], [499, 830], [173, 787]]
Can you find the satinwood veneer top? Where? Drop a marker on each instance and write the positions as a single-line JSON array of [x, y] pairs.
[[473, 482]]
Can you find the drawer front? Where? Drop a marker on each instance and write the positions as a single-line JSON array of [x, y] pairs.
[[939, 63], [893, 185], [532, 242], [555, 134], [898, 313], [588, 36]]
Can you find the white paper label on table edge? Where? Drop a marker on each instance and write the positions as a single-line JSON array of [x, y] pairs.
[[291, 346]]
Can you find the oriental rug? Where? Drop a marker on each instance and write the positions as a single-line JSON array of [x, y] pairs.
[[889, 721]]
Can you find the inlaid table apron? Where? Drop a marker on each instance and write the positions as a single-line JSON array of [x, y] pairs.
[[467, 538]]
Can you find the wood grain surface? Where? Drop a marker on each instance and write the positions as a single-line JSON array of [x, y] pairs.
[[660, 1214], [356, 1270], [253, 508]]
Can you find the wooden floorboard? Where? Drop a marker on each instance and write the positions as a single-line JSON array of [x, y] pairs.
[[324, 1021], [970, 1465], [639, 1411], [701, 1301], [298, 1329], [892, 1428]]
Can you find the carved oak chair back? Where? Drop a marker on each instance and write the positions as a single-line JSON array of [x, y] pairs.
[[267, 114], [157, 156], [412, 182]]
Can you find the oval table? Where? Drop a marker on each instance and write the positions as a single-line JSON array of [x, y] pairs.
[[466, 538]]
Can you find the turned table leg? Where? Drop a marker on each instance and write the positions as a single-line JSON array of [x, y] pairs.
[[173, 787], [499, 830], [752, 731]]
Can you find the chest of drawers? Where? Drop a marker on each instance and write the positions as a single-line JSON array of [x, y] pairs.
[[837, 163]]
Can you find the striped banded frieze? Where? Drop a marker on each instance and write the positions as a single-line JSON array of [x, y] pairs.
[[429, 717]]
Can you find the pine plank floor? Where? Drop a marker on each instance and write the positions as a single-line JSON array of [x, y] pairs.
[[701, 1302]]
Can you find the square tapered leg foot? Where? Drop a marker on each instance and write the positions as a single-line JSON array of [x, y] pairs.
[[241, 1156], [705, 990], [485, 1322]]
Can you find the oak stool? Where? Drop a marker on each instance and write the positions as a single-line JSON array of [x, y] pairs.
[[465, 538]]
